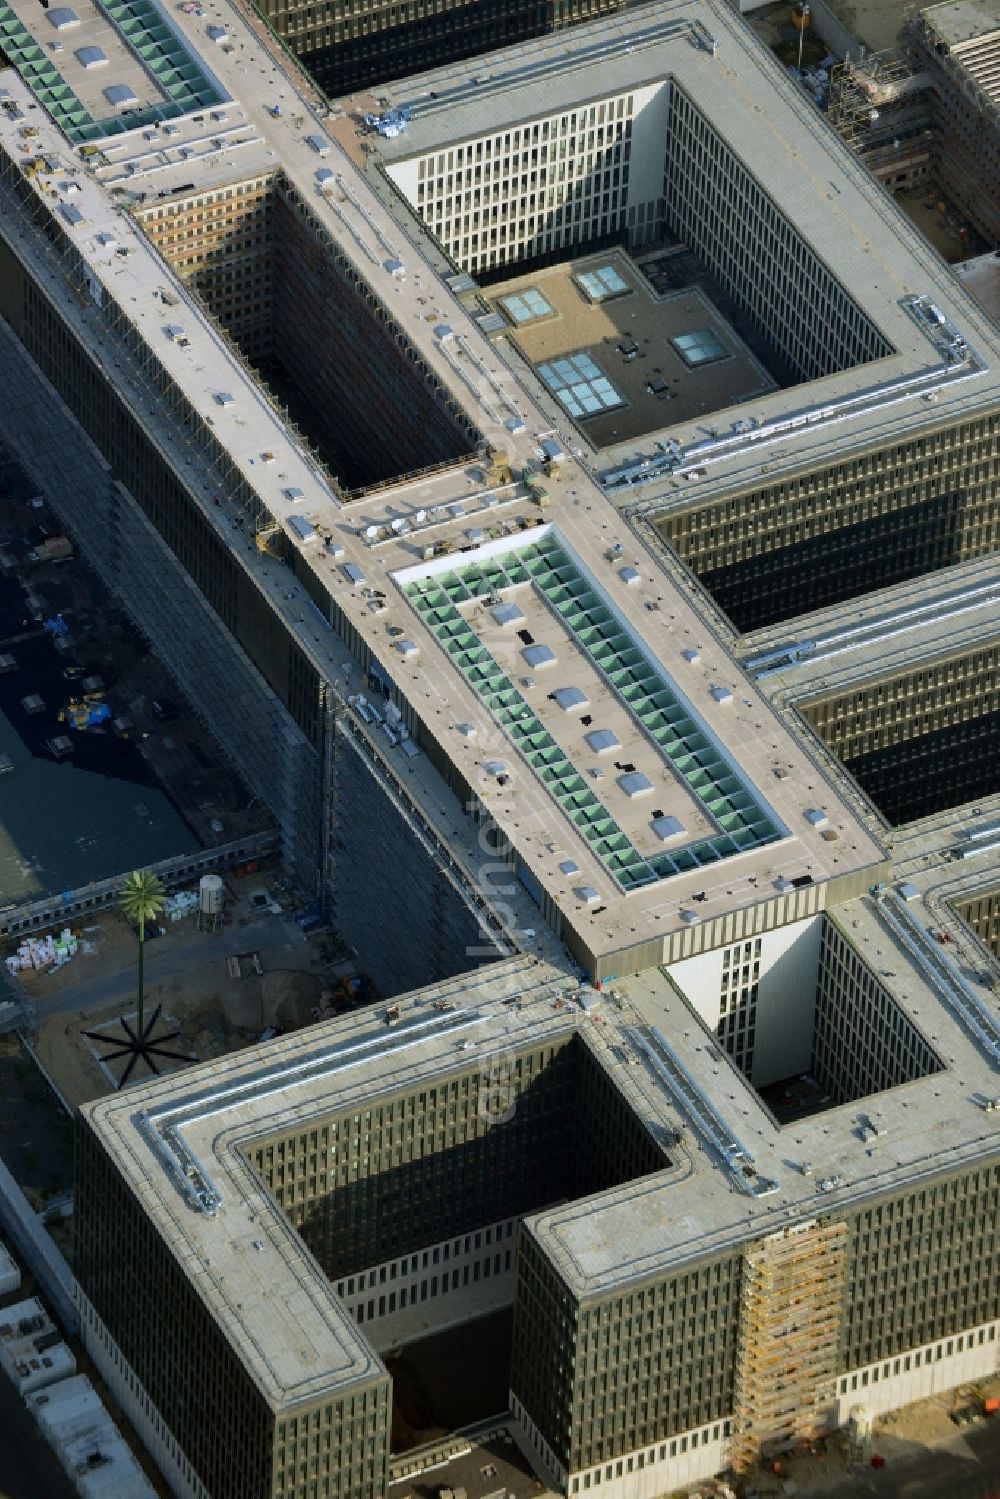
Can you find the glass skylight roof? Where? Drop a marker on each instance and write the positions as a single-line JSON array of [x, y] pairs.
[[602, 283], [579, 385], [160, 49], [701, 347], [525, 306], [741, 823]]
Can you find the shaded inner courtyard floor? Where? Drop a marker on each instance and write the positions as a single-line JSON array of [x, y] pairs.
[[450, 1380]]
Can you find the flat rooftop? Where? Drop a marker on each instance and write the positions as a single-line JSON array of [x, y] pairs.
[[736, 1173], [620, 359], [368, 545], [960, 21]]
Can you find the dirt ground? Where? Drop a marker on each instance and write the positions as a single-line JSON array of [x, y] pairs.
[[207, 1015], [923, 207], [925, 1425], [217, 991], [876, 23]]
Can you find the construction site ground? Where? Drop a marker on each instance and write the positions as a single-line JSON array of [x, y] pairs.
[[926, 1456], [111, 804], [874, 23], [206, 983]]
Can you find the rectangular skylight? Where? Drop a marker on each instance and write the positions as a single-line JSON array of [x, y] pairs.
[[601, 283], [740, 822], [525, 306], [580, 385], [700, 347]]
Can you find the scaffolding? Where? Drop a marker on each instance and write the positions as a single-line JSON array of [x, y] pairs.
[[786, 1368], [881, 107], [963, 66]]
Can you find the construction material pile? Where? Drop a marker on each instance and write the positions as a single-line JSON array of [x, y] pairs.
[[44, 954], [182, 903]]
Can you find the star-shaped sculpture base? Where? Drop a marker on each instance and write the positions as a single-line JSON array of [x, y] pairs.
[[138, 1046]]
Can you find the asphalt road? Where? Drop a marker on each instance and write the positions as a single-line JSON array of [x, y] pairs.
[[168, 958], [967, 1469]]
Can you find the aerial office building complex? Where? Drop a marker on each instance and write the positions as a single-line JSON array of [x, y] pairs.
[[658, 139], [693, 1280], [509, 743]]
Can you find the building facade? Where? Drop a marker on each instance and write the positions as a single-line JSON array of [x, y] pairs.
[[348, 47]]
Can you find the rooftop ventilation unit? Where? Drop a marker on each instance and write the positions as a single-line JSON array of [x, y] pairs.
[[120, 96], [571, 699], [301, 529], [666, 828], [539, 655], [602, 740], [587, 894], [507, 614], [635, 784]]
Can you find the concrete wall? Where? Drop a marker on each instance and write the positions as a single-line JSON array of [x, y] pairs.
[[786, 1004], [786, 997], [389, 898], [454, 1281], [920, 1372], [650, 119]]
